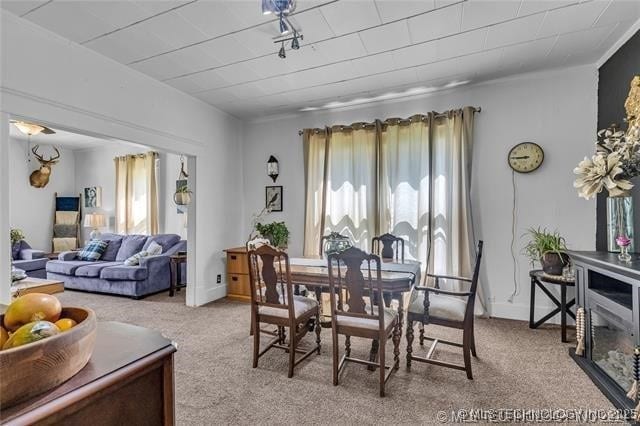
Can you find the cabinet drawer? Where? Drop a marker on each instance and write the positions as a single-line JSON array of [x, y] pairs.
[[237, 263], [238, 285]]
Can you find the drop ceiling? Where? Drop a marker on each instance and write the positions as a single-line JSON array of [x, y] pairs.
[[222, 52]]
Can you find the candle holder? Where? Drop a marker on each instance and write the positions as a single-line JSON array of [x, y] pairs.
[[624, 243]]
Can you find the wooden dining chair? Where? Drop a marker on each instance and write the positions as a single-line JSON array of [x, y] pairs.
[[455, 309], [351, 280], [273, 302], [383, 246]]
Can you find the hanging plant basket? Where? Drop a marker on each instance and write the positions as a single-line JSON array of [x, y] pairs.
[[182, 198]]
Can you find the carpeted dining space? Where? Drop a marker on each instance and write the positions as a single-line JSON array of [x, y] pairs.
[[516, 368]]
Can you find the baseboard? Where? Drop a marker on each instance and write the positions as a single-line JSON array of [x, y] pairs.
[[520, 311], [207, 295]]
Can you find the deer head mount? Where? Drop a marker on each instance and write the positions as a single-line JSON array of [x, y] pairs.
[[40, 177]]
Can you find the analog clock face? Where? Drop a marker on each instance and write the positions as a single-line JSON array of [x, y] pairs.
[[526, 157]]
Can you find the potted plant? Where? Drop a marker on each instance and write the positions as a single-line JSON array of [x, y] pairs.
[[548, 248], [276, 232], [16, 236], [182, 196]]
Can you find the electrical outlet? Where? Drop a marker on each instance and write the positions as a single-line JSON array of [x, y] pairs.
[[218, 279]]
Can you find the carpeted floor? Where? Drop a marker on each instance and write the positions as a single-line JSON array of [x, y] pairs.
[[516, 368]]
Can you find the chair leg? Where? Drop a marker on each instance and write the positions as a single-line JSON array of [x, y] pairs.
[[292, 351], [347, 345], [466, 349], [318, 329], [256, 342], [381, 369], [335, 357], [473, 342], [421, 334], [396, 346], [409, 342]]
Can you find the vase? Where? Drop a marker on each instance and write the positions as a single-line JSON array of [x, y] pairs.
[[619, 221]]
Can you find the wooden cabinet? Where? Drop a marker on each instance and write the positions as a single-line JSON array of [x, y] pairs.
[[238, 287]]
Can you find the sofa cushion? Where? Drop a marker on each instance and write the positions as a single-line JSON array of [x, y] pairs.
[[165, 240], [115, 241], [31, 265], [93, 270], [122, 272], [65, 267], [131, 244], [94, 250]]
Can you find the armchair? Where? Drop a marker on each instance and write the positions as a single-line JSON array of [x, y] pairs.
[[33, 262], [455, 309]]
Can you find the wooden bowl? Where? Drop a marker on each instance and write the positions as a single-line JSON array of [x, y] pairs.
[[31, 369]]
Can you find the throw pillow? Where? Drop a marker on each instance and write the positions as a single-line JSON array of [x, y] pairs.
[[93, 251], [154, 249]]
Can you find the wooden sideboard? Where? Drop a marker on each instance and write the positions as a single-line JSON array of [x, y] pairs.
[[238, 287], [129, 380]]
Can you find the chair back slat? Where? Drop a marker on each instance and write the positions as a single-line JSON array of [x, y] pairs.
[[383, 246], [270, 278], [349, 286]]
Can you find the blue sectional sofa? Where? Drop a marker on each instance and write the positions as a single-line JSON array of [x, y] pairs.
[[111, 275], [29, 260]]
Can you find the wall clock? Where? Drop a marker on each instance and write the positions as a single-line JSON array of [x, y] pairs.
[[525, 157]]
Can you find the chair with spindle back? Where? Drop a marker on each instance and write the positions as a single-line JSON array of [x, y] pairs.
[[383, 246], [351, 279], [455, 309], [273, 302]]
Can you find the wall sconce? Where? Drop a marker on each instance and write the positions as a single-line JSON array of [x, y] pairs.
[[273, 170]]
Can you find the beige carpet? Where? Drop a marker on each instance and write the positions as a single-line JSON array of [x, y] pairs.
[[516, 368]]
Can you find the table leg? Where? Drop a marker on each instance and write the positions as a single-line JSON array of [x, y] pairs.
[[174, 279], [532, 305], [563, 312]]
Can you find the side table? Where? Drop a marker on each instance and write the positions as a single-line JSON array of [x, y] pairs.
[[176, 260], [539, 279]]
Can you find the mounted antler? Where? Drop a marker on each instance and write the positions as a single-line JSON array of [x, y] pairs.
[[40, 177]]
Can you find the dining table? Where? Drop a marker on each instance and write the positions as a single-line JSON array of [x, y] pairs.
[[397, 280]]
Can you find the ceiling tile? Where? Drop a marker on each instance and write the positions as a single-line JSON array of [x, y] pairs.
[[436, 24], [386, 37], [20, 7], [480, 13], [186, 84], [217, 96], [572, 18], [528, 7], [313, 26], [376, 63], [348, 16], [193, 59], [248, 12], [161, 67], [211, 17], [620, 11], [129, 45], [418, 54], [322, 75], [271, 65], [258, 40], [69, 20], [516, 31], [579, 42], [460, 44], [208, 80], [153, 7], [391, 10], [525, 53], [181, 32], [116, 13], [226, 50], [468, 64], [338, 49], [238, 73]]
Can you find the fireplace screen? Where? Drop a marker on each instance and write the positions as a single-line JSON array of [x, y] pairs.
[[612, 345]]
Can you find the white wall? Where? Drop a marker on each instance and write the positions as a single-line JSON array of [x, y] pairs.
[[554, 109], [170, 221], [32, 208], [72, 87]]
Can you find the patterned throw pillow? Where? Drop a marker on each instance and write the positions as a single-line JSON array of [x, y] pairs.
[[94, 250], [154, 249]]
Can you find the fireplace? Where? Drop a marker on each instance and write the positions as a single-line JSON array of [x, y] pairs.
[[609, 292]]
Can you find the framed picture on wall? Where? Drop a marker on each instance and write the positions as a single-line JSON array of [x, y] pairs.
[[93, 197], [273, 198]]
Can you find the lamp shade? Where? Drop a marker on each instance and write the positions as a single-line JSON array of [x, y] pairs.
[[28, 128], [95, 220]]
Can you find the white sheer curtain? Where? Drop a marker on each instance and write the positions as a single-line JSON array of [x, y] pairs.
[[315, 142], [351, 180], [136, 194]]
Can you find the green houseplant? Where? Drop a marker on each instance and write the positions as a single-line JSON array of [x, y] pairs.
[[16, 235], [276, 232], [182, 196], [548, 248]]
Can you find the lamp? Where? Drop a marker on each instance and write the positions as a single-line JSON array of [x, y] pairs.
[[273, 168], [94, 221], [282, 53], [295, 44], [28, 129]]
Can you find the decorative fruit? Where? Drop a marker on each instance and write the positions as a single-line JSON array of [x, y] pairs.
[[32, 332], [4, 336], [65, 324], [31, 307]]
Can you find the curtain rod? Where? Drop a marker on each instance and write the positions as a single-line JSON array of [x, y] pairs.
[[436, 115]]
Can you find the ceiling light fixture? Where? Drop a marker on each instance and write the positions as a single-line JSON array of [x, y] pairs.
[[282, 9], [295, 45], [282, 53]]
